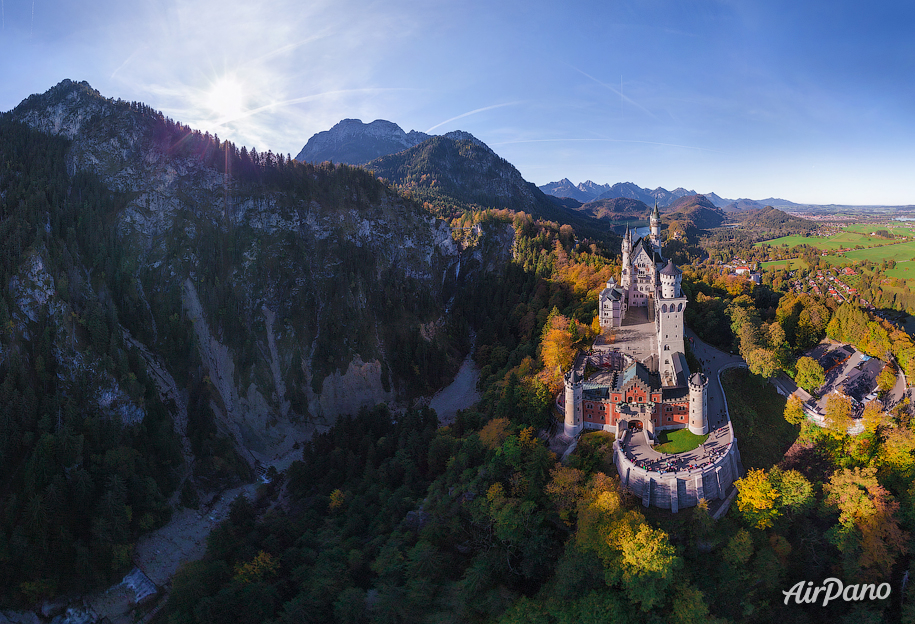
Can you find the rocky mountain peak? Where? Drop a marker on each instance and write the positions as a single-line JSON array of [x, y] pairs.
[[353, 142]]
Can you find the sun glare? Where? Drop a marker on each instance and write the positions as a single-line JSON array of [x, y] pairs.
[[226, 98]]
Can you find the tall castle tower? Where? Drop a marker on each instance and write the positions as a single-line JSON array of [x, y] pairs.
[[669, 308], [698, 404], [655, 223], [626, 277], [573, 421]]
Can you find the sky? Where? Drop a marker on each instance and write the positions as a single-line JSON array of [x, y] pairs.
[[813, 102]]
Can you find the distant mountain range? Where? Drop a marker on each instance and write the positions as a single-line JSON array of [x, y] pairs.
[[456, 171], [589, 191], [450, 173]]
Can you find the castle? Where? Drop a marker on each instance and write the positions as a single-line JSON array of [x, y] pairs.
[[656, 393]]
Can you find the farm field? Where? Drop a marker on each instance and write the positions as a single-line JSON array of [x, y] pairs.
[[903, 270], [858, 234], [789, 265], [899, 252]]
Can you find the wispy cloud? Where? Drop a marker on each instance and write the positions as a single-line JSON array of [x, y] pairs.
[[306, 98], [469, 113], [691, 147]]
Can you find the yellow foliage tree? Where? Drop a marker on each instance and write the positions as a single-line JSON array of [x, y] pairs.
[[262, 566], [756, 499], [494, 433]]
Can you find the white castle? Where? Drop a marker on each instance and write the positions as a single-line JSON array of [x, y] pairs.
[[655, 391]]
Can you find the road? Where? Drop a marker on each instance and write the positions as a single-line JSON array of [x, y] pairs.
[[713, 362]]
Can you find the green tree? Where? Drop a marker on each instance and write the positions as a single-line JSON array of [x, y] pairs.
[[810, 375]]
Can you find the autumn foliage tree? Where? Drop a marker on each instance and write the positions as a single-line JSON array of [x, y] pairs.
[[868, 533]]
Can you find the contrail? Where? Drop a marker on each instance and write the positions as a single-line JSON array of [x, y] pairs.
[[473, 112], [32, 24], [692, 147], [129, 58], [618, 92]]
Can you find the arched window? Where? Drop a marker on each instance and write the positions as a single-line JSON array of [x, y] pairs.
[[680, 308], [664, 308]]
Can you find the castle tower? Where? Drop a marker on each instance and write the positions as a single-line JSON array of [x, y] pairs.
[[670, 277], [573, 421], [669, 312], [655, 223], [698, 404], [626, 275]]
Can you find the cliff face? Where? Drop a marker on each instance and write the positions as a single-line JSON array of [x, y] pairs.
[[304, 289]]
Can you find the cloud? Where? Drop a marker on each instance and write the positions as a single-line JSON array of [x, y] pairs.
[[468, 114], [691, 147]]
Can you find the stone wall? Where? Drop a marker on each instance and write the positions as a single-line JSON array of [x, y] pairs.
[[682, 489]]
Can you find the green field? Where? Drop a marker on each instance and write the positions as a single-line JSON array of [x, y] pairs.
[[898, 251], [848, 238], [903, 270], [790, 264], [679, 441]]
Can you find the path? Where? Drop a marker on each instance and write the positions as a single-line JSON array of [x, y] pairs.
[[713, 361], [460, 394]]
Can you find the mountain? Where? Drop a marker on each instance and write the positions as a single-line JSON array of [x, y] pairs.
[[694, 212], [589, 191], [775, 201], [457, 172], [178, 310], [565, 188], [718, 201], [743, 204], [355, 143], [616, 209]]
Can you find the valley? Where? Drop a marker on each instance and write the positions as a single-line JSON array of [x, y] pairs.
[[323, 389]]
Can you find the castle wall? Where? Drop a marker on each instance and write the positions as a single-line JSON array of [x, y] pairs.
[[675, 491]]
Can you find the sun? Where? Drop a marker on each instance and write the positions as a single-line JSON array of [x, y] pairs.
[[226, 98]]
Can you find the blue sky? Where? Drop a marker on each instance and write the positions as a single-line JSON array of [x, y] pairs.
[[812, 103]]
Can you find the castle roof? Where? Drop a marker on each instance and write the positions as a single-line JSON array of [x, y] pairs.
[[637, 373], [649, 249], [671, 269]]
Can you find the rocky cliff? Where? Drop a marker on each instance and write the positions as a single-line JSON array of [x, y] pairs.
[[303, 288]]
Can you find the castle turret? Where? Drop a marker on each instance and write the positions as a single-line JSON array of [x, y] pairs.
[[655, 223], [670, 281], [573, 420], [698, 404], [626, 276]]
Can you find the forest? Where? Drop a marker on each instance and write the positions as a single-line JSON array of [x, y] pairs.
[[387, 516], [404, 521]]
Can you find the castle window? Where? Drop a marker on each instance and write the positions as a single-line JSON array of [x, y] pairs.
[[680, 308]]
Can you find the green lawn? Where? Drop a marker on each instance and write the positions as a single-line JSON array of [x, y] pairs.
[[679, 441], [757, 414]]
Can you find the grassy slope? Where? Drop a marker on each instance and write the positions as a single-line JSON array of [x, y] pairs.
[[757, 412]]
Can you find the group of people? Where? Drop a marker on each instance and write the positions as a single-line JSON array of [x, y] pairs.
[[664, 465]]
